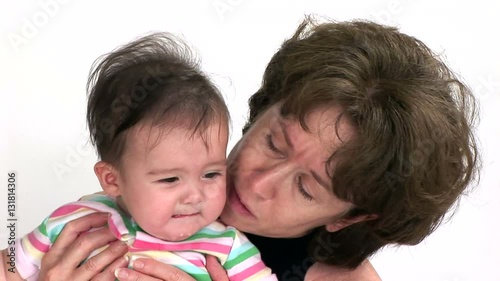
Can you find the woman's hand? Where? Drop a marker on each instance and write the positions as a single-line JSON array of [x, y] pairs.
[[145, 269], [215, 269], [64, 257], [70, 249]]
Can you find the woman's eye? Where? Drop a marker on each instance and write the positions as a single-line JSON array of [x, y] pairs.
[[169, 180], [302, 191], [212, 175], [271, 145]]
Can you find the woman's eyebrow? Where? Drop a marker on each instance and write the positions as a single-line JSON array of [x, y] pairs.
[[289, 143], [285, 133], [320, 180]]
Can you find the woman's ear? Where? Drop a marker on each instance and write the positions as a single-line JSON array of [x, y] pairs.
[[345, 222], [108, 177]]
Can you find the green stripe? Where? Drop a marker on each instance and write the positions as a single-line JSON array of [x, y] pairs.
[[54, 232], [240, 258], [132, 227], [229, 234], [201, 277], [43, 227]]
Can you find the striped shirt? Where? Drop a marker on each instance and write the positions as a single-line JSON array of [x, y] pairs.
[[239, 257]]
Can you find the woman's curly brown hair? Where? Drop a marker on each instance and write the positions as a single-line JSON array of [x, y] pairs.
[[414, 152]]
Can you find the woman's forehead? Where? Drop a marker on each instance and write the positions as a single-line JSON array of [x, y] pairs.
[[328, 123]]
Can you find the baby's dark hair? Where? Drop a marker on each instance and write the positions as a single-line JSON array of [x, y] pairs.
[[156, 79]]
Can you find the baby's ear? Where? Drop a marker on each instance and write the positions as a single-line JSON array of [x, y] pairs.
[[108, 175], [345, 222]]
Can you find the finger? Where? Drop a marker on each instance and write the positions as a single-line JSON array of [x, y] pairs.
[[83, 247], [155, 269], [215, 269], [125, 274], [72, 229], [108, 273], [99, 262]]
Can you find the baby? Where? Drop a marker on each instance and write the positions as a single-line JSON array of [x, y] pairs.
[[161, 130]]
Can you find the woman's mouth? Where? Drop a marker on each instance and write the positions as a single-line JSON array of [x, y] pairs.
[[237, 205]]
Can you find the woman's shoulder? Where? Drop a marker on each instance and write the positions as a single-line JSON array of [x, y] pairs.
[[325, 272]]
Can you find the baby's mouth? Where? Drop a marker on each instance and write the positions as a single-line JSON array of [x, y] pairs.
[[178, 216]]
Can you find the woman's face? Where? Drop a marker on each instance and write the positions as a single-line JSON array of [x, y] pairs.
[[277, 182]]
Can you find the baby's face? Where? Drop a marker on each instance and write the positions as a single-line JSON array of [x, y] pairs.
[[172, 183]]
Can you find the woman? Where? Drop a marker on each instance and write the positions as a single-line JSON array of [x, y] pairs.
[[359, 137]]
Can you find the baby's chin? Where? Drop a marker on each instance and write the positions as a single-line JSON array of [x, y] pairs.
[[176, 231], [173, 237]]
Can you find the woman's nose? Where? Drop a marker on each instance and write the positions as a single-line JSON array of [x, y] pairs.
[[265, 182]]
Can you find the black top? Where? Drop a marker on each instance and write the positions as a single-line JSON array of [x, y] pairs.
[[287, 257]]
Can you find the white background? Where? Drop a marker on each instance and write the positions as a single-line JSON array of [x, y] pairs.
[[47, 48]]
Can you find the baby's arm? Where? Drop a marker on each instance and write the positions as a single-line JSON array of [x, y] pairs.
[[10, 273]]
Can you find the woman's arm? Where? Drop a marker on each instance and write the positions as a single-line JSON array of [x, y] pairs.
[[324, 272]]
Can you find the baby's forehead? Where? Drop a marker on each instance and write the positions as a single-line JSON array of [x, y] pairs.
[[153, 146], [146, 136]]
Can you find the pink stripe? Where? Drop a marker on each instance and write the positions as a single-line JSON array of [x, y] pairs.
[[114, 229], [203, 246], [44, 248], [65, 210], [198, 263], [249, 271]]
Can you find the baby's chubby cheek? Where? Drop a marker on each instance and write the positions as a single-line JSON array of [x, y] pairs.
[[214, 191]]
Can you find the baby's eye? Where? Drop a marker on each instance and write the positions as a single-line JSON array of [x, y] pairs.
[[169, 180], [212, 175]]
